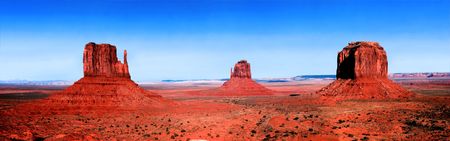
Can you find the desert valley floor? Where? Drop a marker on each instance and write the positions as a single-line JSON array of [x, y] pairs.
[[294, 112]]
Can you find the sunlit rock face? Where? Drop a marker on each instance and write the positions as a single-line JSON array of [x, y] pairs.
[[106, 85], [101, 60], [362, 60], [241, 70], [241, 82], [362, 73]]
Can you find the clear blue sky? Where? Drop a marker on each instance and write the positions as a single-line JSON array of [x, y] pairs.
[[202, 39]]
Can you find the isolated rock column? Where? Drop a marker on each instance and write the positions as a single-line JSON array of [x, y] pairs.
[[241, 83], [241, 70], [362, 60], [362, 73], [106, 85], [101, 60]]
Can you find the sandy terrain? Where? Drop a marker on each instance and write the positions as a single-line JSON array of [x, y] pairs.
[[277, 117]]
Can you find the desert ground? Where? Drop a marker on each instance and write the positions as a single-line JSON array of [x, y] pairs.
[[293, 113]]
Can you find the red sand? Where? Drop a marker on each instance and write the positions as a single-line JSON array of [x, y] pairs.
[[105, 92], [278, 117]]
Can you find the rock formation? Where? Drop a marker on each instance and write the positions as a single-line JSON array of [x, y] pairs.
[[362, 60], [240, 83], [101, 60], [362, 73], [106, 83], [241, 70]]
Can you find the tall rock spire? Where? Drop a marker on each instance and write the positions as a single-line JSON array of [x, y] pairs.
[[125, 57], [231, 72]]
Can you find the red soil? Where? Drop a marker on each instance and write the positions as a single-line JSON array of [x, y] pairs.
[[94, 93], [276, 117], [343, 89]]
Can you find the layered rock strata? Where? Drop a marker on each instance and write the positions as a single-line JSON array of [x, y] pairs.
[[106, 84], [362, 73], [241, 83]]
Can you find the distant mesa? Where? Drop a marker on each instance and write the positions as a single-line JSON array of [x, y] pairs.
[[422, 75], [240, 83], [106, 83], [362, 73], [241, 70]]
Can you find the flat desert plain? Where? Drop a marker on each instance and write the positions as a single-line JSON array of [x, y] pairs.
[[293, 112]]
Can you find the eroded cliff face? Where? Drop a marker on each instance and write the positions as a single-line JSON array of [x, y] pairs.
[[106, 85], [101, 60], [362, 73], [361, 60], [241, 83], [241, 70]]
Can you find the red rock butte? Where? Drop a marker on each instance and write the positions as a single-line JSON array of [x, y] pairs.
[[106, 83], [362, 73], [241, 83], [101, 60]]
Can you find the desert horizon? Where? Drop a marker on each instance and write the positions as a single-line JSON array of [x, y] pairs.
[[225, 70], [294, 108]]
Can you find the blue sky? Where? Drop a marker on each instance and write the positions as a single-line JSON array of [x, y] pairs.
[[202, 39]]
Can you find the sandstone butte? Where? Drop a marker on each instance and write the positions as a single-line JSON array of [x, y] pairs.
[[106, 84], [241, 83], [362, 73]]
